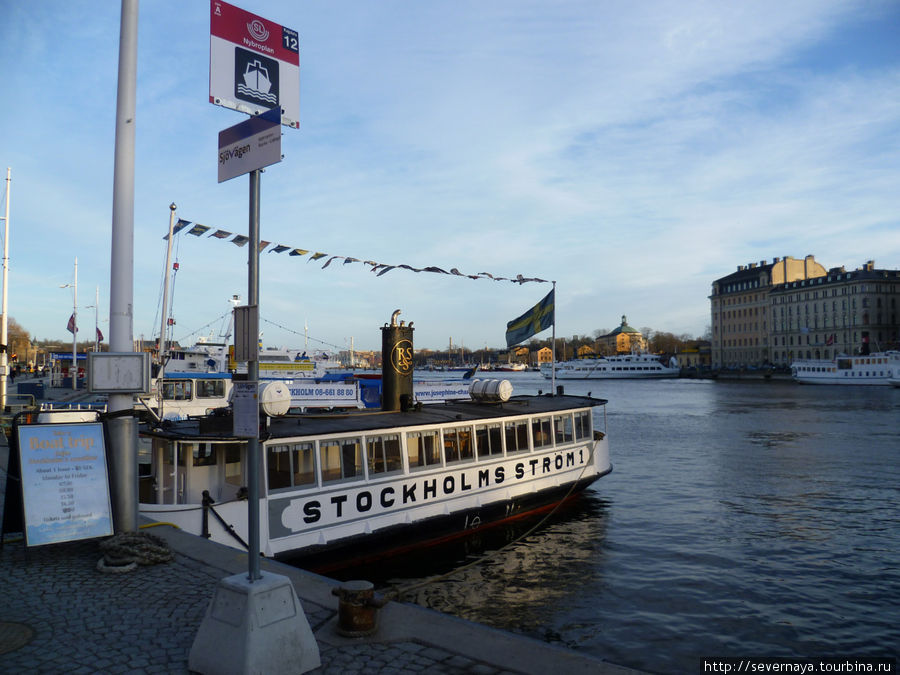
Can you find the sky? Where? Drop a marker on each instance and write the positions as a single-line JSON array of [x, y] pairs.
[[631, 152]]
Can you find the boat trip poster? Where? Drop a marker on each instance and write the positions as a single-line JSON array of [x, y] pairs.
[[65, 486]]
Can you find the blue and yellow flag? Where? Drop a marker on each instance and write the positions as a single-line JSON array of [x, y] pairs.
[[531, 322]]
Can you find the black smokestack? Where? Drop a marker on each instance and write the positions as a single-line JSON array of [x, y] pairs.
[[396, 365]]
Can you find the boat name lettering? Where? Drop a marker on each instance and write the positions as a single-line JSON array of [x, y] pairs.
[[292, 515]]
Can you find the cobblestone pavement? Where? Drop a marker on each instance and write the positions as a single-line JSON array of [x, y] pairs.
[[145, 621]]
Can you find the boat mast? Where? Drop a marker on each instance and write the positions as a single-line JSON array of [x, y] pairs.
[[4, 321], [165, 310]]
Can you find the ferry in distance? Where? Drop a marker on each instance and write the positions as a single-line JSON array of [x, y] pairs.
[[623, 366], [878, 368]]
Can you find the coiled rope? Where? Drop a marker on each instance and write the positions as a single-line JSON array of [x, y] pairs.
[[123, 552]]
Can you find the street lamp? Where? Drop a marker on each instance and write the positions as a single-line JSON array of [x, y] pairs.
[[73, 326], [95, 307]]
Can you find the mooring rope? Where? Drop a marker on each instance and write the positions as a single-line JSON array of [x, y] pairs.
[[123, 552]]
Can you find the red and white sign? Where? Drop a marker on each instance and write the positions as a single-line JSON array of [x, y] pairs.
[[254, 64]]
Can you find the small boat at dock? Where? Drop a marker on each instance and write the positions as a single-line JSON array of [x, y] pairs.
[[341, 487]]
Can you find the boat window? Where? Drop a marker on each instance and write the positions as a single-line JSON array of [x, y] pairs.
[[278, 464], [341, 459], [562, 425], [291, 465], [423, 449], [233, 473], [383, 454], [541, 432], [177, 390], [488, 440], [204, 454], [582, 425], [210, 388], [458, 444], [516, 436]]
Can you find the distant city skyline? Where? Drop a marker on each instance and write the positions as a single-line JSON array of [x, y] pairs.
[[632, 154]]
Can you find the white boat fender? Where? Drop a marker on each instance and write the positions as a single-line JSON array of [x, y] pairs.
[[274, 398]]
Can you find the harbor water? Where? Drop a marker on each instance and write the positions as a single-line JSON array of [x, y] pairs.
[[742, 519]]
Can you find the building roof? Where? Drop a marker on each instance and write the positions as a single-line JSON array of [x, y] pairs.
[[624, 328]]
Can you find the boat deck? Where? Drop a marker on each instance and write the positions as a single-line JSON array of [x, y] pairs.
[[366, 420]]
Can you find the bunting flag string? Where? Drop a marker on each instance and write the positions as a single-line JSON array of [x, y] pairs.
[[378, 268]]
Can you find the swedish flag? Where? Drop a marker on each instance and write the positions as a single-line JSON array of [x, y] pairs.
[[531, 322]]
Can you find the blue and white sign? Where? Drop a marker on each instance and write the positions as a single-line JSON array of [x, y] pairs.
[[65, 487], [250, 145]]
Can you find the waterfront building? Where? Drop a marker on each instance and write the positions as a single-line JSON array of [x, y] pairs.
[[772, 313], [842, 312], [739, 304]]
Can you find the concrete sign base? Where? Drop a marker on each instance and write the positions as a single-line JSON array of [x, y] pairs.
[[254, 627]]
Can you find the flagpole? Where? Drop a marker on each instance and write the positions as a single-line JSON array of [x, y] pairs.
[[74, 371], [97, 319], [4, 325], [553, 345]]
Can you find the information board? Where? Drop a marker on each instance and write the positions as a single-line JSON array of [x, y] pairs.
[[245, 403], [65, 486], [254, 63]]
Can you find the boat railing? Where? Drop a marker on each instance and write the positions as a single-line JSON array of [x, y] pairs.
[[207, 509]]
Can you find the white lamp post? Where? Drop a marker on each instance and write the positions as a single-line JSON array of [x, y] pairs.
[[74, 287]]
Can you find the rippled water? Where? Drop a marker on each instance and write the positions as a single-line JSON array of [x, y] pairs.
[[741, 519]]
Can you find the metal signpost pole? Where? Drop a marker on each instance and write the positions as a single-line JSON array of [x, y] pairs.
[[269, 71], [253, 376]]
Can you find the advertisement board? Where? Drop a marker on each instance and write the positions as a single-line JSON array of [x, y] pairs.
[[65, 486]]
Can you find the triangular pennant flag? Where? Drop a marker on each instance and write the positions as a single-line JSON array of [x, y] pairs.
[[263, 244], [240, 240], [316, 256], [329, 261], [436, 270], [179, 226], [279, 248], [298, 251], [198, 229], [350, 260], [220, 234], [387, 268]]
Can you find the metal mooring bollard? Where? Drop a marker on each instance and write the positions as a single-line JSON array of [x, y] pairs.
[[356, 608]]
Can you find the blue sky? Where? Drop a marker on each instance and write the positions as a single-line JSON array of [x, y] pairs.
[[633, 152]]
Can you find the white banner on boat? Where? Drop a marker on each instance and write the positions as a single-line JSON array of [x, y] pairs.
[[306, 394], [433, 392]]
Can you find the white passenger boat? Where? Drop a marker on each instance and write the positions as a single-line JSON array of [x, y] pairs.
[[360, 484], [624, 366], [872, 369]]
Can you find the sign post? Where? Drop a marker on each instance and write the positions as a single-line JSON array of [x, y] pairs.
[[254, 67]]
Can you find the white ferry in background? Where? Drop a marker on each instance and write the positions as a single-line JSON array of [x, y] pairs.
[[626, 366], [344, 487], [879, 368]]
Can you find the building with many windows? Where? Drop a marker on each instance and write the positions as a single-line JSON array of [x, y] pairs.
[[773, 313], [843, 312]]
